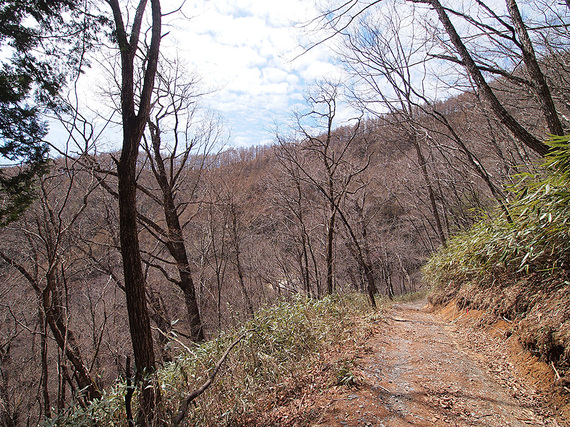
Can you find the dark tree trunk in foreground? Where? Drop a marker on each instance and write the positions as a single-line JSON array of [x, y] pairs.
[[133, 127]]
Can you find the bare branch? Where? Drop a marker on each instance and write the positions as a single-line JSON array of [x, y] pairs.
[[182, 411]]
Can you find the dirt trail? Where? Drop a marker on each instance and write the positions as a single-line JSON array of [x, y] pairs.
[[425, 371]]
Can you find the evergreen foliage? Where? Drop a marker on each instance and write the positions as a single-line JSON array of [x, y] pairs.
[[40, 49]]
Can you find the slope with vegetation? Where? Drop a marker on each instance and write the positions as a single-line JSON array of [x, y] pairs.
[[516, 266], [283, 349], [205, 238]]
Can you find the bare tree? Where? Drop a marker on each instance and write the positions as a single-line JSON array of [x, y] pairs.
[[46, 235], [475, 72], [323, 161], [223, 247], [177, 168], [376, 56], [236, 240], [376, 53], [501, 39], [292, 196], [135, 110], [320, 148]]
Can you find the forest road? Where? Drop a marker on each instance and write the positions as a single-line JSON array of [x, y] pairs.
[[422, 370]]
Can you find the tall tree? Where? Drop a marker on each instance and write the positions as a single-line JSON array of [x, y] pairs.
[[323, 161], [327, 155], [40, 51], [506, 118], [183, 161], [135, 110], [291, 196], [487, 45]]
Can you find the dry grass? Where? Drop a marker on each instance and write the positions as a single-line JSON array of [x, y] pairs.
[[289, 349]]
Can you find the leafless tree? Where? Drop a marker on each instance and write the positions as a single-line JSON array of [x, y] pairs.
[[377, 56], [292, 195], [491, 40], [322, 109], [135, 111], [236, 236], [323, 160], [177, 168], [46, 238]]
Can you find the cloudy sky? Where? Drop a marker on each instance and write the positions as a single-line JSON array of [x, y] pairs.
[[247, 53], [246, 50]]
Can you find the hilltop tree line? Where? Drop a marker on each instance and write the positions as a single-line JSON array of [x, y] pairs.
[[121, 260]]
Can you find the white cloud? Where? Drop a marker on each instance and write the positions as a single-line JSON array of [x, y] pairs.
[[244, 48]]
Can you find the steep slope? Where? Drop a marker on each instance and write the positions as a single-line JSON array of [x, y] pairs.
[[516, 267]]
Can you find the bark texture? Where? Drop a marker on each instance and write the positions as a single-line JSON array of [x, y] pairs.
[[134, 123]]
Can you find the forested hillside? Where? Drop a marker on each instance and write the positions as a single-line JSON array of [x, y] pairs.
[[183, 236]]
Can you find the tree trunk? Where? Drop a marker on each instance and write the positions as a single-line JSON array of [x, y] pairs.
[[161, 319], [371, 285], [139, 320], [133, 128], [248, 304], [330, 252], [304, 256], [235, 238], [431, 194], [362, 258], [305, 263], [65, 338], [388, 272], [44, 357], [502, 114], [369, 271], [175, 241], [539, 81]]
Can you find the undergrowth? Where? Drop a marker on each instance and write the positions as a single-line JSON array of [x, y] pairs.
[[517, 266], [281, 342]]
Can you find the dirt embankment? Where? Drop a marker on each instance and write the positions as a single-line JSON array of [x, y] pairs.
[[426, 369]]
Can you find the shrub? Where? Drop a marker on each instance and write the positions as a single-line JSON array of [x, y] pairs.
[[534, 238], [280, 341]]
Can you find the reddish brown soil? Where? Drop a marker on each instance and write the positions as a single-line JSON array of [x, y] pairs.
[[437, 370]]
